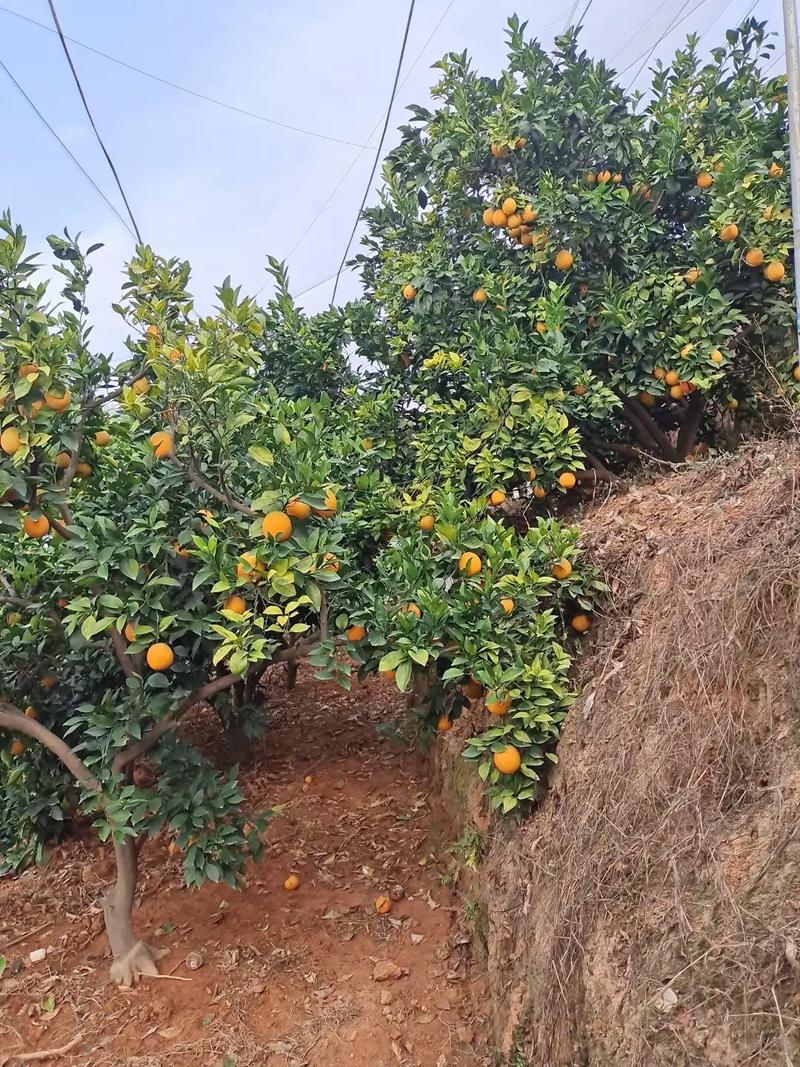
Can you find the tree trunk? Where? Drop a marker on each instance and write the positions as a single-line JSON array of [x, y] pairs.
[[291, 673], [132, 958]]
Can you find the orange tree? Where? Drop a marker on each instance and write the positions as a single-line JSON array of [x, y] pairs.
[[462, 609], [559, 277], [170, 529]]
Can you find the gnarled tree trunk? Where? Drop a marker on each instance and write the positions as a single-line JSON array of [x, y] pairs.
[[132, 957]]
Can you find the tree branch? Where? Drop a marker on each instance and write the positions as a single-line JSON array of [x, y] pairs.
[[120, 651], [323, 615], [11, 718], [647, 427], [61, 529], [687, 434], [599, 470], [207, 487]]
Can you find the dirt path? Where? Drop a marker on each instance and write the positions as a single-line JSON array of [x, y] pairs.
[[288, 978]]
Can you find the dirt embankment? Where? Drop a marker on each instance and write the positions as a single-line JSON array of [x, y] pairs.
[[648, 913]]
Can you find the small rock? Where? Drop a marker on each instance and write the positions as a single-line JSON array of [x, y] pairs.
[[387, 971], [397, 892], [386, 997], [417, 939], [194, 961], [38, 955], [666, 1000]]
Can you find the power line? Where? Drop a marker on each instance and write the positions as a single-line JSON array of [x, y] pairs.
[[183, 88], [358, 156], [77, 163], [378, 151], [585, 12], [91, 118], [677, 20], [571, 15]]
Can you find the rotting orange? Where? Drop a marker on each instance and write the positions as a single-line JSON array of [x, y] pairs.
[[292, 883], [472, 689], [83, 470], [383, 905]]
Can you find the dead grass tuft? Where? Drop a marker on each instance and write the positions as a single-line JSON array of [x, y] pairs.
[[653, 898]]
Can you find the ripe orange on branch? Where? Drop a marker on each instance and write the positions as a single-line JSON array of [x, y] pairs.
[[235, 603], [277, 525], [498, 707], [162, 443], [36, 528], [298, 509], [160, 656], [427, 523], [508, 761], [10, 441], [470, 564], [356, 633], [567, 480]]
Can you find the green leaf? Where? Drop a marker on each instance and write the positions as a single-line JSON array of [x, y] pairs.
[[403, 675], [391, 661], [130, 568], [261, 455]]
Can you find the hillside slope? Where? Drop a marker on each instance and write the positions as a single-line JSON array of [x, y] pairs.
[[647, 912]]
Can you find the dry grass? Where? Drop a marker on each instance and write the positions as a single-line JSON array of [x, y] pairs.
[[665, 857]]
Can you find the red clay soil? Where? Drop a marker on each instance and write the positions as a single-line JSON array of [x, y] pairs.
[[286, 979]]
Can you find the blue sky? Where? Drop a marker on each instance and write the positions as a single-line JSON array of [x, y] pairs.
[[222, 189]]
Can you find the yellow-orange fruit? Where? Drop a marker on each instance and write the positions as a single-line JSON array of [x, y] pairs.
[[508, 761], [754, 257], [509, 206], [9, 441], [154, 332], [529, 214], [507, 604], [17, 747], [691, 275], [497, 497], [704, 180], [36, 527], [162, 444], [715, 356], [672, 377], [235, 603], [298, 509], [409, 292], [499, 217], [487, 216], [564, 259], [775, 170], [562, 569], [160, 656], [444, 724], [469, 563], [83, 470], [383, 905], [427, 523], [140, 386], [676, 392], [647, 399], [102, 438], [411, 609], [356, 633], [292, 883], [580, 623], [729, 232], [539, 492], [480, 296], [604, 177], [277, 525], [774, 271], [567, 480], [330, 507], [498, 707], [130, 632], [57, 403], [249, 567]]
